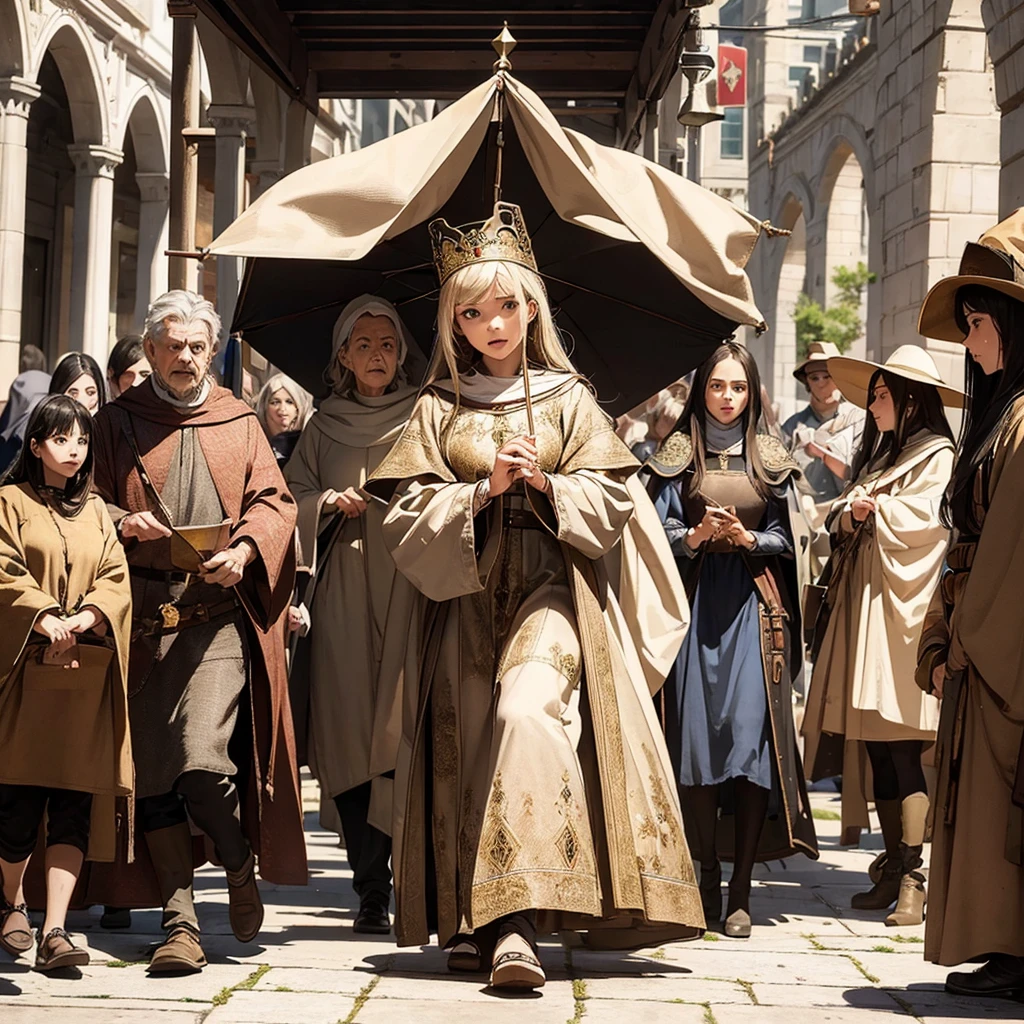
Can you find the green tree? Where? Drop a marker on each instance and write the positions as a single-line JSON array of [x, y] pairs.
[[839, 323]]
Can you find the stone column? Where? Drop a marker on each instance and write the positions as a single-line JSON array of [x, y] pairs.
[[91, 248], [155, 190], [16, 96], [232, 125], [268, 173]]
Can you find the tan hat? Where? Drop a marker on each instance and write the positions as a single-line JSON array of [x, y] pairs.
[[911, 362], [996, 261], [817, 352]]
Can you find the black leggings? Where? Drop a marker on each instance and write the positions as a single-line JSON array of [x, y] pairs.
[[21, 813], [896, 767]]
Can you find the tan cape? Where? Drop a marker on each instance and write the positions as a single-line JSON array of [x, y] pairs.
[[510, 813], [354, 725], [974, 625], [63, 728], [862, 687]]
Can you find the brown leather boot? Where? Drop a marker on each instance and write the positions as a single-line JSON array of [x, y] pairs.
[[885, 879], [246, 907], [180, 952]]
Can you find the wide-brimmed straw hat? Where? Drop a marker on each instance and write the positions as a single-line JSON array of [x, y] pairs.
[[996, 261], [817, 352], [911, 362]]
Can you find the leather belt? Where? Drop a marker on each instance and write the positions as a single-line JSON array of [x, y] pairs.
[[161, 575], [521, 519], [183, 618]]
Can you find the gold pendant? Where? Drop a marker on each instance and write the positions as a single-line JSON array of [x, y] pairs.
[[169, 615], [723, 461]]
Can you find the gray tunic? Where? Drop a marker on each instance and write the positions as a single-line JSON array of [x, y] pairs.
[[183, 716]]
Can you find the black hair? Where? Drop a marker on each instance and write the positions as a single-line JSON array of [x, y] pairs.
[[917, 407], [989, 398], [695, 411], [124, 355], [70, 368], [55, 414]]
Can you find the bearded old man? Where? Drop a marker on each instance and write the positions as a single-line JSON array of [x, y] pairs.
[[209, 711]]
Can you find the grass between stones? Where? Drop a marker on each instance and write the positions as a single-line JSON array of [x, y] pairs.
[[905, 1006], [749, 989], [243, 986], [882, 949], [579, 995], [709, 1016], [860, 967], [364, 994]]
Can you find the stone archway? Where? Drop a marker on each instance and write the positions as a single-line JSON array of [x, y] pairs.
[[12, 40], [80, 274], [844, 227], [142, 187], [792, 280]]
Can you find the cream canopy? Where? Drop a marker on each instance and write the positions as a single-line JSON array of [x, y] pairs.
[[348, 207]]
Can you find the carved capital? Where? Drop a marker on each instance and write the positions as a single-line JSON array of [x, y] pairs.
[[17, 95], [228, 119], [93, 161]]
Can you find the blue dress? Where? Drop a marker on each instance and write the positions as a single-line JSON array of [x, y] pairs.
[[716, 713]]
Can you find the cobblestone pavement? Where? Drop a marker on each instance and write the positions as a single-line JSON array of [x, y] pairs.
[[810, 959]]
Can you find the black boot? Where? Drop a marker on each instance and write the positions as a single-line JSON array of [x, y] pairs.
[[373, 917], [1002, 977]]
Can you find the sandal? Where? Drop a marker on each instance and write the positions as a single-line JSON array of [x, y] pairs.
[[56, 950], [15, 940], [465, 957], [517, 971]]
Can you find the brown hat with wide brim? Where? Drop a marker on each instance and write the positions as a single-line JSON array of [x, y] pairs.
[[911, 362], [995, 261], [817, 352]]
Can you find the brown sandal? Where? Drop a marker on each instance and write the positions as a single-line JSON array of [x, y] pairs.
[[16, 940], [56, 950]]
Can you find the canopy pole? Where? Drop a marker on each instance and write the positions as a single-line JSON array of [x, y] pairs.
[[504, 43]]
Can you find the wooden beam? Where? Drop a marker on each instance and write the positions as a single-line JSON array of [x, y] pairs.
[[656, 64], [266, 36], [324, 59]]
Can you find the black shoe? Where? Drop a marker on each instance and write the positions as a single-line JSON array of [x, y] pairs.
[[373, 918], [116, 918], [1002, 977]]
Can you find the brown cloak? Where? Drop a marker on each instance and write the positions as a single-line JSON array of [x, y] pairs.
[[253, 494]]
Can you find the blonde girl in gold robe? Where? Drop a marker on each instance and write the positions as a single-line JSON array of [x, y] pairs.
[[65, 602], [359, 607], [888, 543], [534, 790], [971, 653]]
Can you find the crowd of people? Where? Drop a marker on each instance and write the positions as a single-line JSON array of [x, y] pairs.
[[518, 654]]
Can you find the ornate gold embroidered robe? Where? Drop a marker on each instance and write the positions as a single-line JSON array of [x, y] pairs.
[[532, 766]]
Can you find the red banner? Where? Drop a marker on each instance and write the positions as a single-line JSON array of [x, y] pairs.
[[732, 76]]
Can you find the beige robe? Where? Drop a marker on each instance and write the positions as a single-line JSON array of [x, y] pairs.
[[354, 725], [532, 726], [974, 625], [63, 728], [863, 687]]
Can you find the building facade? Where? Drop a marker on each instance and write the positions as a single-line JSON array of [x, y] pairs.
[[84, 165]]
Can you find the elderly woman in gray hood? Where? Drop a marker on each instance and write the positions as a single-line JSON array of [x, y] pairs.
[[354, 717]]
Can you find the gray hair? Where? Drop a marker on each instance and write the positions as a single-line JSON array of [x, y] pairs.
[[181, 307], [303, 399]]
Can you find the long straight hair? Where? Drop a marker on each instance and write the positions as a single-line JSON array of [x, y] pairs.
[[696, 411], [71, 367], [917, 406], [989, 399], [454, 355], [55, 414]]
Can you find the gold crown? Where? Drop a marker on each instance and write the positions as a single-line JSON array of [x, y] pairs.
[[502, 237]]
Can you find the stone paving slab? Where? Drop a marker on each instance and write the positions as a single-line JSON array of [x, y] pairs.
[[811, 959], [650, 1013], [282, 1008]]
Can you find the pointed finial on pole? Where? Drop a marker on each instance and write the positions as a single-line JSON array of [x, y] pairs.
[[504, 43]]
